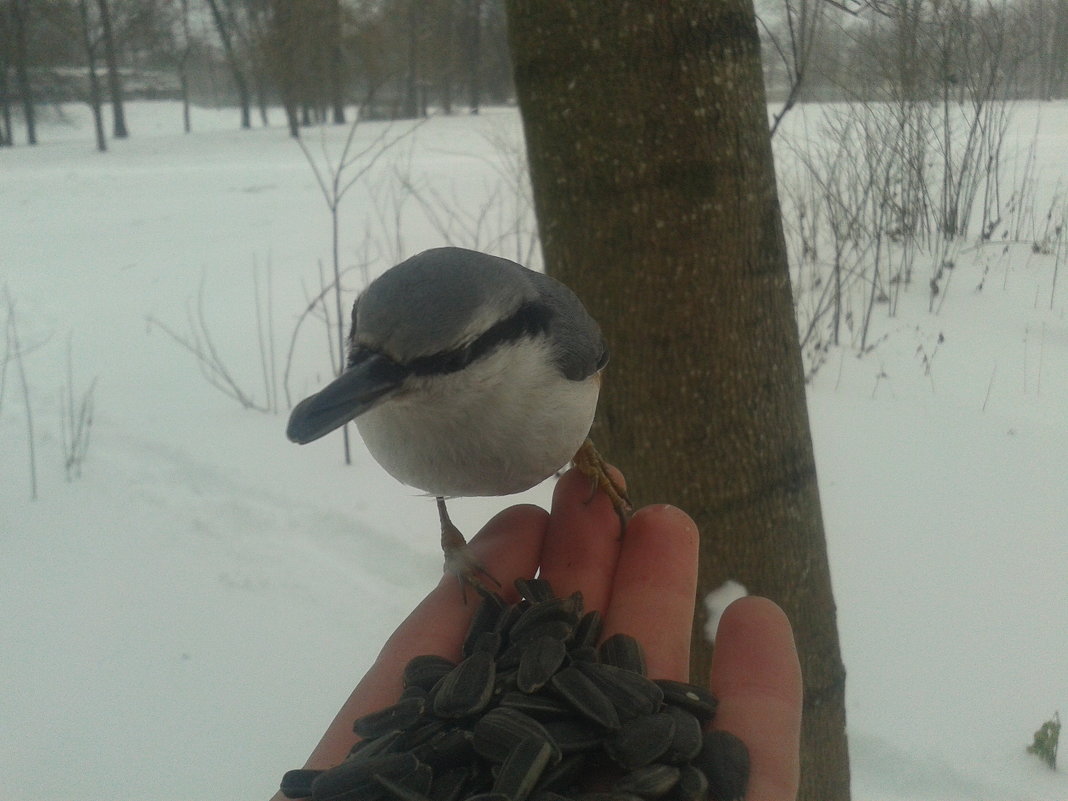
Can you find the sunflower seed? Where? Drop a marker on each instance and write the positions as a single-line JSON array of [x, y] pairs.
[[724, 760], [413, 692], [588, 629], [399, 790], [501, 729], [623, 651], [692, 786], [485, 619], [535, 590], [399, 717], [573, 735], [467, 688], [548, 795], [446, 749], [509, 616], [584, 697], [641, 741], [425, 671], [540, 660], [538, 706], [630, 693], [584, 653], [651, 781], [354, 780], [698, 701], [522, 768], [423, 732], [510, 657], [297, 783], [488, 642], [391, 743], [686, 744], [558, 629], [531, 713], [412, 786], [566, 774], [554, 610], [448, 785]]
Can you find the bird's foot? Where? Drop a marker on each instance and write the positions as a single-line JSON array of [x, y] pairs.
[[460, 560], [590, 463]]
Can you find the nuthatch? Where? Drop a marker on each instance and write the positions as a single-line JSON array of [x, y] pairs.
[[467, 375]]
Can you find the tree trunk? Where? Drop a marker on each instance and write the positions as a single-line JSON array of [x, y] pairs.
[[243, 95], [446, 54], [183, 68], [22, 72], [111, 59], [336, 64], [411, 76], [7, 135], [474, 54], [95, 95], [650, 158]]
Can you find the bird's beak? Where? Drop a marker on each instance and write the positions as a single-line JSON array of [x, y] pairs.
[[357, 390]]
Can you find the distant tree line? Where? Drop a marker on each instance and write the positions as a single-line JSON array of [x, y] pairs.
[[918, 49], [393, 58], [398, 58]]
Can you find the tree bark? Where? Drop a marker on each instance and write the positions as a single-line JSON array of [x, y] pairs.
[[111, 59], [650, 158]]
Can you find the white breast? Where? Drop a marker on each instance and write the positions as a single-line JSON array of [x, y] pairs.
[[501, 425]]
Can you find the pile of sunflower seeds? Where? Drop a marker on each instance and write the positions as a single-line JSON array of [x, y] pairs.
[[536, 710]]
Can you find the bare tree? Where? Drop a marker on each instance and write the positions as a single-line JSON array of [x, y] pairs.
[[655, 192], [336, 68], [20, 55], [183, 50], [7, 136], [111, 59], [801, 23], [413, 105], [308, 75], [473, 49], [96, 100], [224, 25]]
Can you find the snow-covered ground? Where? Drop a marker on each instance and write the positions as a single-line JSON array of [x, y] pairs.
[[184, 619]]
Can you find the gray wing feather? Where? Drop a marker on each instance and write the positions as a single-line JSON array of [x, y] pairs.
[[580, 349]]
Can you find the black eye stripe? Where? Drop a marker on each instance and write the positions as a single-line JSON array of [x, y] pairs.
[[529, 319]]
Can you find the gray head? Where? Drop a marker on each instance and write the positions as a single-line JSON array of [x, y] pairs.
[[437, 312]]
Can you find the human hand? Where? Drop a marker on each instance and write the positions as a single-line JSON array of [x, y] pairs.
[[644, 585]]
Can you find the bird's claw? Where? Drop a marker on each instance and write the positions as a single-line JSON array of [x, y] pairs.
[[460, 560], [469, 571], [590, 463]]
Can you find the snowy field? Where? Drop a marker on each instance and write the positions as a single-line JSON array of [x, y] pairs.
[[184, 619]]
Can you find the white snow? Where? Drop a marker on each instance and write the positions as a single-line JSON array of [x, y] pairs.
[[184, 620], [716, 603]]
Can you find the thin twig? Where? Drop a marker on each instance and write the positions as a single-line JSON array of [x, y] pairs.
[[13, 334]]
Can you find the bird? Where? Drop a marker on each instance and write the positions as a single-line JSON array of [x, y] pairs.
[[467, 375]]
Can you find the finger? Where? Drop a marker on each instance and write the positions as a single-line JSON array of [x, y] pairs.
[[655, 583], [757, 679], [509, 545], [582, 542]]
